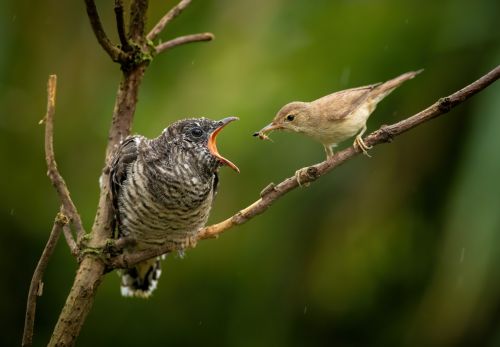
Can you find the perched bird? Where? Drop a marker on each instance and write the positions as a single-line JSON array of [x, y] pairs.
[[335, 117], [162, 191]]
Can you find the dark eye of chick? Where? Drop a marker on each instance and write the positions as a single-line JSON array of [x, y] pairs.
[[290, 117], [197, 132]]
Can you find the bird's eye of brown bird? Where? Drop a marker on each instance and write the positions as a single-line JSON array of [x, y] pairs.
[[197, 132], [290, 117]]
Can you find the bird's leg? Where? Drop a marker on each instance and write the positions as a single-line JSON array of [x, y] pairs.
[[358, 141], [188, 242], [328, 151], [192, 241]]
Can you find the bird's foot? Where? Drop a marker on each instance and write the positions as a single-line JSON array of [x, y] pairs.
[[362, 145], [298, 174], [311, 173], [189, 242]]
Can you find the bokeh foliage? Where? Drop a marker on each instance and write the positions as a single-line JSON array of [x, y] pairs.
[[400, 249]]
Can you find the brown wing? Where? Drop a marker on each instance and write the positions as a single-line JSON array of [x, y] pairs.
[[340, 104], [125, 155]]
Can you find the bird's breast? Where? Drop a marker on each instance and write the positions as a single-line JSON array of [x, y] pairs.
[[331, 132], [161, 204]]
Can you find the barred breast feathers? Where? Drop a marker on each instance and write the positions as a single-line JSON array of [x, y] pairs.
[[162, 192], [159, 197]]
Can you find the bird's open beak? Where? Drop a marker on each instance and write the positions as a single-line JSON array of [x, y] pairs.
[[268, 128], [212, 145]]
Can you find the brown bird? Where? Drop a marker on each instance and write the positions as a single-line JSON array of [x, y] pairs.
[[335, 117]]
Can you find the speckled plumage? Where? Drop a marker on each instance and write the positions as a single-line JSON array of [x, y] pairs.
[[163, 190]]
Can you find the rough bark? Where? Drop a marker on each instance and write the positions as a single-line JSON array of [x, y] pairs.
[[79, 302]]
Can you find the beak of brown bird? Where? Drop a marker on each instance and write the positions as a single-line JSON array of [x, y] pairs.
[[212, 144], [268, 128]]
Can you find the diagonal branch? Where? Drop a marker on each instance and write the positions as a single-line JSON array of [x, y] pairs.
[[120, 25], [114, 52], [36, 285], [181, 40], [55, 177], [274, 192], [174, 12]]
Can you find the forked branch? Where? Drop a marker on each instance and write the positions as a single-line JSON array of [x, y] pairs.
[[55, 177], [114, 52], [274, 192], [134, 56]]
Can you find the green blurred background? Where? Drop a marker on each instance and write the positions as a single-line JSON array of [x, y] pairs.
[[398, 250]]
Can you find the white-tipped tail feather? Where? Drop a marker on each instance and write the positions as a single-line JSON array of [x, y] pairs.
[[141, 280]]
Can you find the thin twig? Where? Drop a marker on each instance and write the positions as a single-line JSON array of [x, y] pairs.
[[138, 9], [36, 285], [120, 25], [174, 12], [70, 240], [114, 52], [273, 192], [55, 177], [181, 40]]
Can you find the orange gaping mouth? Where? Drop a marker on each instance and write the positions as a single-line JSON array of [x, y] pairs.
[[212, 145]]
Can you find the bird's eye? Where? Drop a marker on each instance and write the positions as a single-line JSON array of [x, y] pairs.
[[290, 117], [196, 132]]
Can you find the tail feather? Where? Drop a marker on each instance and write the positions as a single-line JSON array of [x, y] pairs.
[[142, 279], [386, 88]]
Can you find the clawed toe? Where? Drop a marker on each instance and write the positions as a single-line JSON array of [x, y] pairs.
[[298, 173], [362, 145], [189, 242]]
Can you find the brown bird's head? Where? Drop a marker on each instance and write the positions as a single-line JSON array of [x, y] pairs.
[[295, 116]]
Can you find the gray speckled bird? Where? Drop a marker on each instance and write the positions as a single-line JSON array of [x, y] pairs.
[[163, 190]]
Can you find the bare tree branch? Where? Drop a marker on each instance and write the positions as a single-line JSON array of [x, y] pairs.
[[78, 303], [36, 285], [114, 52], [70, 240], [55, 177], [273, 192], [138, 10], [181, 40], [174, 12], [120, 25], [92, 266]]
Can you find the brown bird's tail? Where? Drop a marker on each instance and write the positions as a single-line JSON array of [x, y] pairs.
[[141, 280], [384, 89]]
